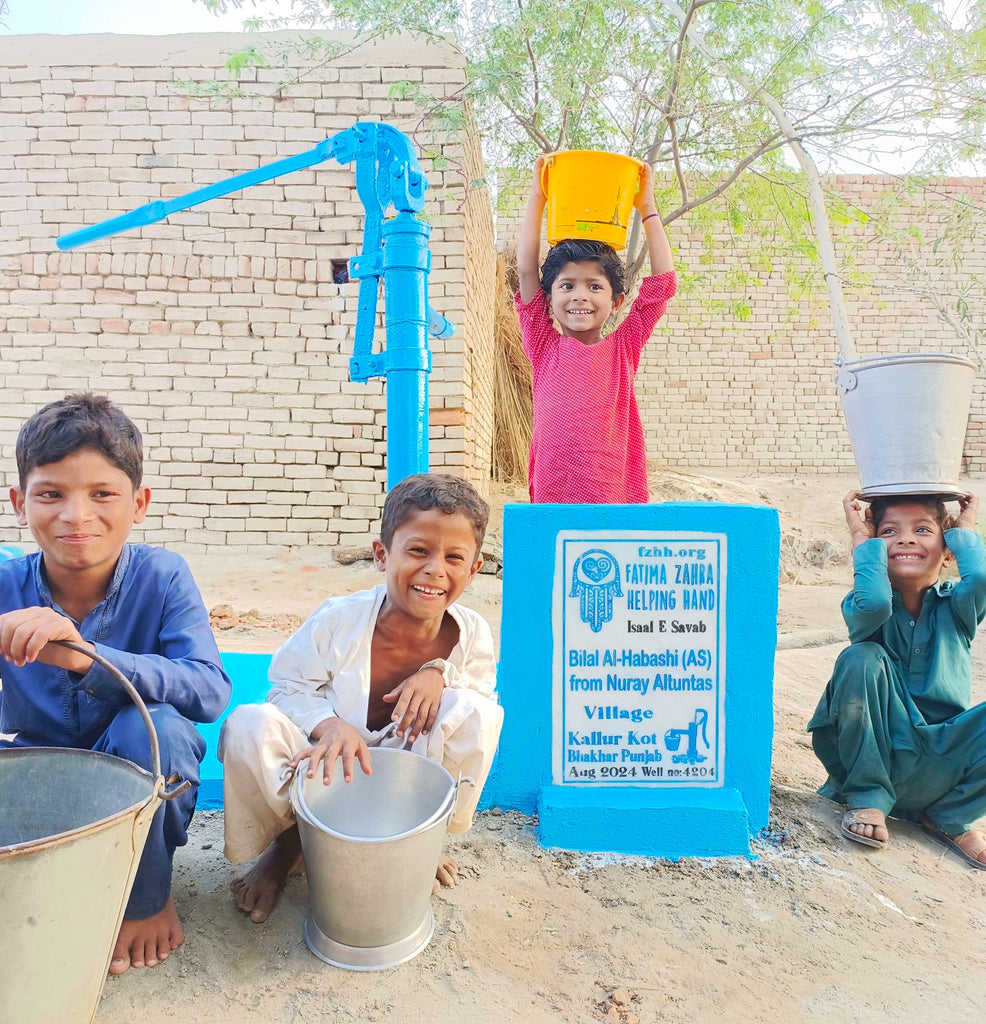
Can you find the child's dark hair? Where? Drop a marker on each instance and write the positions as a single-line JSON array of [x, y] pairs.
[[76, 422], [424, 491], [583, 250], [932, 502]]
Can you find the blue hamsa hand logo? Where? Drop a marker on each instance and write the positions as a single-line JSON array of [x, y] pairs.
[[595, 582]]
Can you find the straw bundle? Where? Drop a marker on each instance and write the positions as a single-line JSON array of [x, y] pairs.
[[513, 415]]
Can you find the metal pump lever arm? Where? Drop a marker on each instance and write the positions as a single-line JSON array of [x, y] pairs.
[[151, 213]]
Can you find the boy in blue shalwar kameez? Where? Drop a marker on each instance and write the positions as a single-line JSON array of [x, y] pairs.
[[79, 464], [894, 728]]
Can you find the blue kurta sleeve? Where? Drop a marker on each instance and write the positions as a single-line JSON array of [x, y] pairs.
[[967, 598], [185, 670], [870, 603]]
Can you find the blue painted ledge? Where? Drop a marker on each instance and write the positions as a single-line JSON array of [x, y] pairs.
[[249, 675]]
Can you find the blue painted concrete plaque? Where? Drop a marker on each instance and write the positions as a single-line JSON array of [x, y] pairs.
[[639, 667], [636, 674]]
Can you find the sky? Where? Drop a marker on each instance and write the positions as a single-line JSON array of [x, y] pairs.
[[135, 17]]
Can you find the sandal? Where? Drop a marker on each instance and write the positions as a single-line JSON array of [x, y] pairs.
[[946, 840], [859, 816]]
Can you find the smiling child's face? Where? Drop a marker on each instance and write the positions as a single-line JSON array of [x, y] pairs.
[[916, 550], [431, 559], [80, 511], [582, 301]]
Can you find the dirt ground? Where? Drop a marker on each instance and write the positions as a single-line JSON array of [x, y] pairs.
[[813, 928]]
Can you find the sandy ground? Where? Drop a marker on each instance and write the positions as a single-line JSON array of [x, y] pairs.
[[812, 929]]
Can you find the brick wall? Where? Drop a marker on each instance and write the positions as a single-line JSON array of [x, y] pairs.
[[758, 394], [221, 331]]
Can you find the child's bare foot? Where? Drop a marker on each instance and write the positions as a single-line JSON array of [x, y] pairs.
[[447, 873], [147, 942], [865, 825], [970, 846], [257, 892]]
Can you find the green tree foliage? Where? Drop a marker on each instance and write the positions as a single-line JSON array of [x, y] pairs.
[[687, 86], [621, 75]]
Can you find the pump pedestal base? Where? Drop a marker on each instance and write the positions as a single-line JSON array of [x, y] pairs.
[[666, 823]]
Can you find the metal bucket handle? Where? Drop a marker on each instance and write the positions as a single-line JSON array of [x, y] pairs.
[[844, 378], [455, 803], [454, 796], [159, 784]]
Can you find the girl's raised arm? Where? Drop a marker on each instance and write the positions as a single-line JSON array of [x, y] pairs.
[[658, 246], [529, 239]]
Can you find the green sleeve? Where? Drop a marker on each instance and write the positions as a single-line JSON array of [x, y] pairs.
[[870, 602], [967, 598]]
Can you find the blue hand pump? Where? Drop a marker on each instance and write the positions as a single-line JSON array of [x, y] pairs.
[[387, 173]]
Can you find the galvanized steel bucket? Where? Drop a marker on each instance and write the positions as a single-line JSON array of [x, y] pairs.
[[907, 417], [371, 848], [72, 828]]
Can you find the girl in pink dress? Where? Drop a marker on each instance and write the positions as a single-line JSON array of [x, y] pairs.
[[588, 442]]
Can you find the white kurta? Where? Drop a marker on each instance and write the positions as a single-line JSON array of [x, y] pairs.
[[323, 670]]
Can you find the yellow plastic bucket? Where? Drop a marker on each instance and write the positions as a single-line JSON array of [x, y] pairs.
[[590, 195]]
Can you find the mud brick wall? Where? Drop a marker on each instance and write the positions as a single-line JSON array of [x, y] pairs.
[[757, 392], [221, 331]]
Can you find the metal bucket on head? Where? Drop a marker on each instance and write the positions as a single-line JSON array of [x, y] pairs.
[[371, 847], [72, 829], [907, 417]]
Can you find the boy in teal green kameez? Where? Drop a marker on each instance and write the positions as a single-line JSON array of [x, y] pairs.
[[894, 728]]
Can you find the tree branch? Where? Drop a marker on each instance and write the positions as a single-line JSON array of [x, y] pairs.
[[533, 60]]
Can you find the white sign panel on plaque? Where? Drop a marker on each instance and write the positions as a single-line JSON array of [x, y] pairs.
[[639, 658]]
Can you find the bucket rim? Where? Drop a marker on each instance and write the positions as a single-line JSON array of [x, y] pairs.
[[946, 492], [594, 152], [302, 810], [871, 362], [60, 838]]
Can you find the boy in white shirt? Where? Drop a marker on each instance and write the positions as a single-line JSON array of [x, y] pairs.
[[401, 665]]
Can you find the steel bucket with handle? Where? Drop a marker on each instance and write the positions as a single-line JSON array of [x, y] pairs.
[[907, 416], [72, 829], [371, 847]]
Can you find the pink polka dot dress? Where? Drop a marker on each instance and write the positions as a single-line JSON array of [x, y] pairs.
[[588, 442]]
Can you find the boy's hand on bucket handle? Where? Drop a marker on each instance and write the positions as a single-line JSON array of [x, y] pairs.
[[860, 522], [25, 636], [417, 699], [968, 511], [332, 739]]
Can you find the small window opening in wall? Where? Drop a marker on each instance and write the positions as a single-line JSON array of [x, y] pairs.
[[340, 271]]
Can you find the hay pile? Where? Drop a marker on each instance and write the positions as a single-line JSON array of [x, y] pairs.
[[513, 415]]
